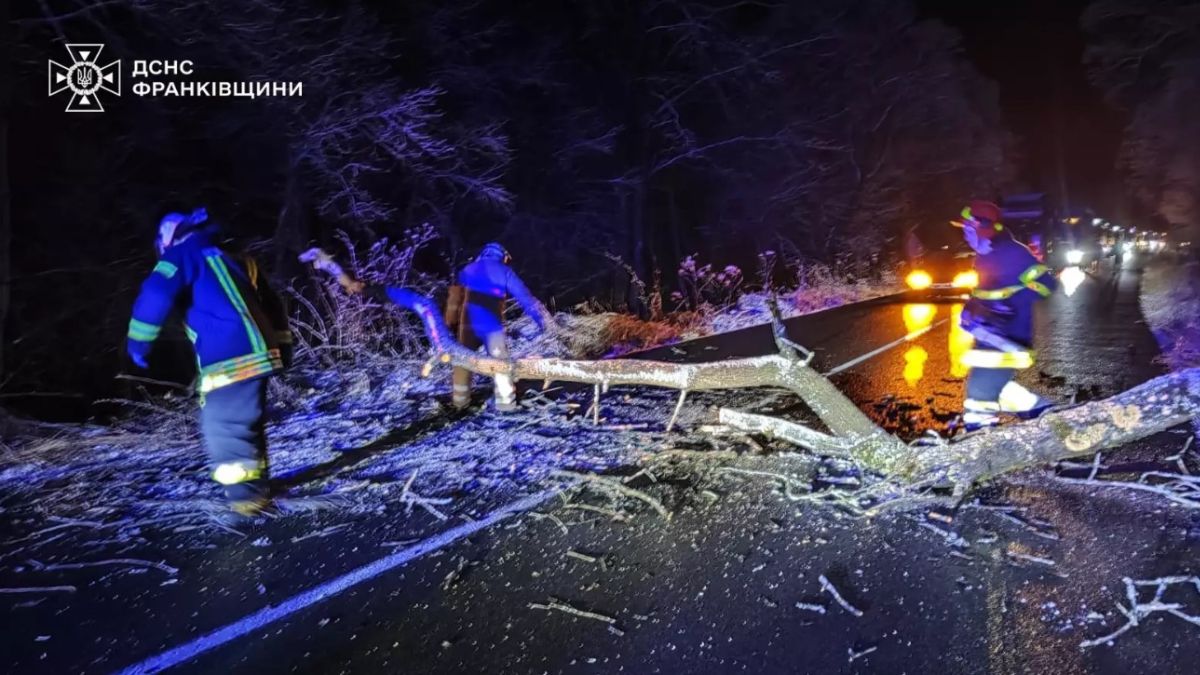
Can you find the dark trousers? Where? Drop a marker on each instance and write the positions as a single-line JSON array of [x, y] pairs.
[[233, 422], [473, 337], [985, 384]]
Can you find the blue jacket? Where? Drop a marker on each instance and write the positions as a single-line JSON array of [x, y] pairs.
[[489, 282], [1011, 281], [235, 322]]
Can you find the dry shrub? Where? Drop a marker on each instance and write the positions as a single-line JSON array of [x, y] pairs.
[[332, 327], [819, 287], [613, 334]]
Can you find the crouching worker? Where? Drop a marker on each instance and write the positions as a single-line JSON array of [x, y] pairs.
[[238, 328], [475, 309], [474, 313], [1000, 317]]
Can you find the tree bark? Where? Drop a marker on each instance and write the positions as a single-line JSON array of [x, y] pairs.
[[1151, 407]]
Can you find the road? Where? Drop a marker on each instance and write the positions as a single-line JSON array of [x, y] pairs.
[[713, 589]]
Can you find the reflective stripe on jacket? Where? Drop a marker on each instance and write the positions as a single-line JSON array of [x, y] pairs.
[[1010, 274], [226, 311]]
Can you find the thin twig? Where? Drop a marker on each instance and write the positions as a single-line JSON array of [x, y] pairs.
[[618, 487], [832, 590], [858, 655], [40, 589], [135, 562], [551, 517], [811, 607], [564, 607], [678, 407]]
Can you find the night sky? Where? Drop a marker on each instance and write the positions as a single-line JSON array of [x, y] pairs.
[[1034, 50]]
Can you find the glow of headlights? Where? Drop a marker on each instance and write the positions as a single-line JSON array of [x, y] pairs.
[[968, 279], [918, 280], [1071, 278], [1074, 256]]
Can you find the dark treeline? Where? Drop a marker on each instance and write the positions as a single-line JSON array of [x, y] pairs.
[[1145, 56], [574, 132]]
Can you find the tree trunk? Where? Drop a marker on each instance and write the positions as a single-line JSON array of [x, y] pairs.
[[1154, 406], [293, 229], [676, 227], [1151, 407]]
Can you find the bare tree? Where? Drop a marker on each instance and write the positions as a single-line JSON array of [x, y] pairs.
[[6, 77], [1145, 55]]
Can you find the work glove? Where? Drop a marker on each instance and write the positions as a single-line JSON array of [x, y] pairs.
[[139, 353]]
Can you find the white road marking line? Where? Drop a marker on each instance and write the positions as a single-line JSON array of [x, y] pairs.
[[876, 352], [260, 619]]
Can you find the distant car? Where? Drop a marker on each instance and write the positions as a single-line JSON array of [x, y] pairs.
[[948, 271], [1062, 254]]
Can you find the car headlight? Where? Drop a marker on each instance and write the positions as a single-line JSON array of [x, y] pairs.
[[918, 280], [1074, 256], [1071, 278], [968, 279]]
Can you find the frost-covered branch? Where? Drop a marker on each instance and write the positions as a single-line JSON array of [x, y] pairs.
[[1139, 610]]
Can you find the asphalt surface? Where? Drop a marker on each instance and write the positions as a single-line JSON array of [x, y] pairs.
[[715, 588]]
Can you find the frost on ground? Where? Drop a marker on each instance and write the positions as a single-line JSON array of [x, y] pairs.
[[355, 429], [354, 443]]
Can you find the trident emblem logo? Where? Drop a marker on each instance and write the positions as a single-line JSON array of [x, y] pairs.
[[85, 78]]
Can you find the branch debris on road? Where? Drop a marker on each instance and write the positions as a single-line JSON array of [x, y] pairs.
[[828, 587]]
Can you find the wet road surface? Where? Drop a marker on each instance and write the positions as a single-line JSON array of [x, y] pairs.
[[715, 589]]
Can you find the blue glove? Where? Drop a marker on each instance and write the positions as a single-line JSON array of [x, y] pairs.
[[139, 353]]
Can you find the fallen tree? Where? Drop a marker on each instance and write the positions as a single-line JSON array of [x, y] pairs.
[[1149, 408]]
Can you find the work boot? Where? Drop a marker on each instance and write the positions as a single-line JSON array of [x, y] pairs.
[[974, 421], [1037, 411], [1021, 402], [505, 406], [249, 499]]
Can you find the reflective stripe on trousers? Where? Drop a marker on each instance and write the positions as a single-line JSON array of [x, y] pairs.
[[990, 358], [977, 419], [233, 422], [232, 473], [504, 389]]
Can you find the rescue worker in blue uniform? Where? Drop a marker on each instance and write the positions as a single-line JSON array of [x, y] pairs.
[[475, 309], [238, 328], [999, 316]]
